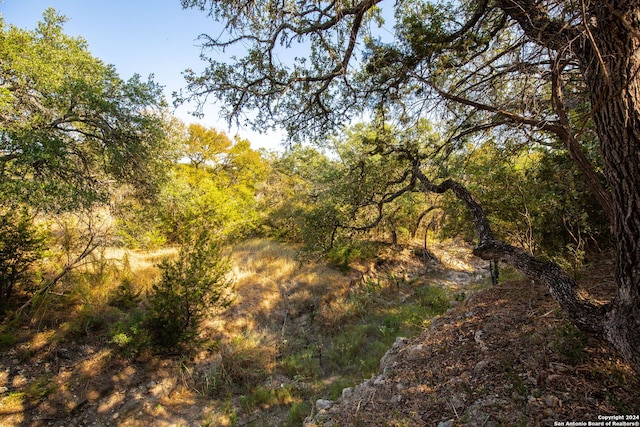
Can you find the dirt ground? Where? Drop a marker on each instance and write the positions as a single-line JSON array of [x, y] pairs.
[[505, 356]]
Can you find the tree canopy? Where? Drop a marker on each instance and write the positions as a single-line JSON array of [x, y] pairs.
[[554, 73], [69, 125]]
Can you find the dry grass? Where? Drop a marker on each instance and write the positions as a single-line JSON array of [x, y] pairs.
[[273, 286], [293, 324]]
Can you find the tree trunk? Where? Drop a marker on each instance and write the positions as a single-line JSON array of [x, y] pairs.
[[611, 70], [586, 315], [607, 46]]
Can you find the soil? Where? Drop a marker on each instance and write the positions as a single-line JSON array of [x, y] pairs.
[[504, 356]]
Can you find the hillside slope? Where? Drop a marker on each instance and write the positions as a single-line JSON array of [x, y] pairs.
[[299, 331], [505, 357]]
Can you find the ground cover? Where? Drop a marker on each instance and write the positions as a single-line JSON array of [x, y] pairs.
[[301, 330]]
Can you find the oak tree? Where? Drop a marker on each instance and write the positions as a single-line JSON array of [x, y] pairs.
[[71, 132], [70, 127], [555, 72]]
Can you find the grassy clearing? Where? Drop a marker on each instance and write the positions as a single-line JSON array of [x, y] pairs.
[[296, 331], [323, 329]]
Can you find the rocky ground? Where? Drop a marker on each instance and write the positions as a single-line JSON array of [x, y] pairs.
[[505, 357]]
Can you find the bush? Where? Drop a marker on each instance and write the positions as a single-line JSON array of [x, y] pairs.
[[21, 244], [433, 298], [129, 334], [189, 286], [125, 297]]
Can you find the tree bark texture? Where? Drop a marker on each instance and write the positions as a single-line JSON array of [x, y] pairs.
[[607, 47], [611, 67]]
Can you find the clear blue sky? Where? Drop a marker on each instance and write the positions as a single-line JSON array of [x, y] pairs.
[[137, 36]]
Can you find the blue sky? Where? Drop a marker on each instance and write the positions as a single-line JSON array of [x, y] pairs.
[[138, 36]]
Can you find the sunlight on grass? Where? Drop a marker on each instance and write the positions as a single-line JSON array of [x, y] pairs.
[[13, 404], [266, 258], [293, 324], [41, 339]]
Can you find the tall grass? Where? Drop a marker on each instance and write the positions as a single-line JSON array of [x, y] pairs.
[[297, 329]]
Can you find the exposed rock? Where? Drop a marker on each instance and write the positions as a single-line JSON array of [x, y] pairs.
[[323, 404], [347, 392], [552, 401], [481, 365], [389, 358], [414, 352], [457, 401]]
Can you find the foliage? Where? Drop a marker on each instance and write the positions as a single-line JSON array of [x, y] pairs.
[[70, 127], [195, 282], [8, 337], [360, 190], [21, 244], [71, 133], [129, 334], [536, 199], [125, 296], [298, 413], [484, 68], [205, 146], [219, 190], [433, 298], [571, 343]]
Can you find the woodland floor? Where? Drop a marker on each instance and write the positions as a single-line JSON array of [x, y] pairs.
[[504, 356]]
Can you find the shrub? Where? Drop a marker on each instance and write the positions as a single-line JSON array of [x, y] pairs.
[[126, 296], [571, 343], [21, 244], [129, 334], [189, 286], [433, 298]]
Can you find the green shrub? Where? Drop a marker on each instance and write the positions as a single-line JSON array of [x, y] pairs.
[[125, 297], [196, 281], [265, 397], [130, 335], [344, 252], [571, 343], [7, 338], [433, 298], [297, 413], [91, 320], [21, 244], [39, 388]]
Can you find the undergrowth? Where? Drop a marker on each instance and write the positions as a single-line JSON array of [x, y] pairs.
[[304, 330]]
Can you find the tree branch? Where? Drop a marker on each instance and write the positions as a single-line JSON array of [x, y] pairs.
[[535, 21], [547, 125], [586, 315], [573, 147]]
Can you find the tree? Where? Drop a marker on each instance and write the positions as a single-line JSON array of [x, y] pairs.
[[534, 198], [205, 146], [371, 185], [196, 281], [217, 190], [70, 127], [291, 189], [21, 243], [564, 71], [71, 132]]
